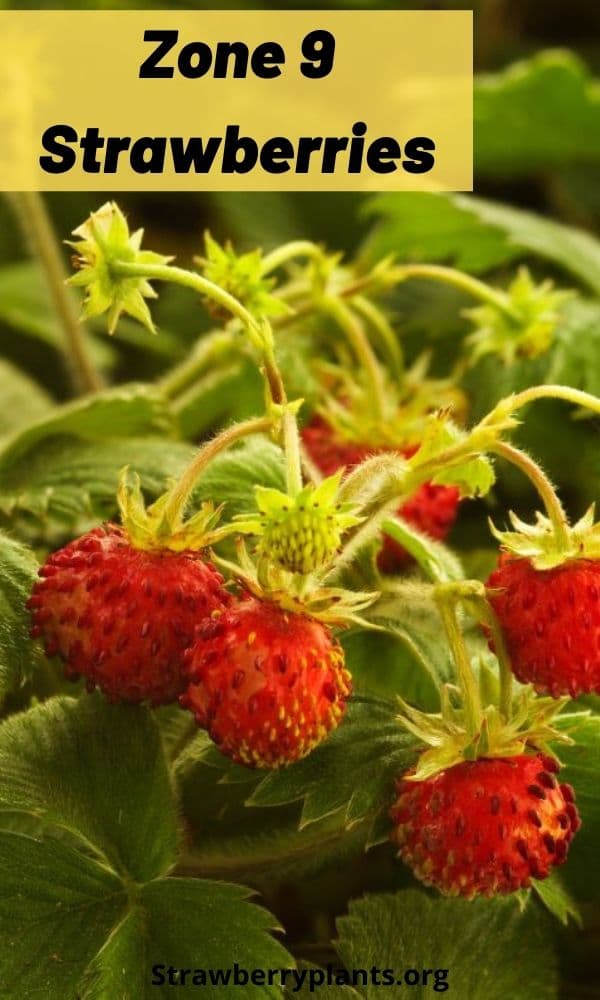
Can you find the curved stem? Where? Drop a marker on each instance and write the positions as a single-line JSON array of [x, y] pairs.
[[468, 685], [355, 334], [180, 492], [544, 487], [196, 282], [281, 255], [464, 282], [576, 396], [293, 457], [366, 308], [489, 618], [38, 227]]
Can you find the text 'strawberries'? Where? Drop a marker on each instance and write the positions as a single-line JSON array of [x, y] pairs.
[[121, 616], [267, 684], [485, 827]]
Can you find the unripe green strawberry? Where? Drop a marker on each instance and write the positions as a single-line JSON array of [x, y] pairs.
[[267, 684], [487, 826], [301, 534]]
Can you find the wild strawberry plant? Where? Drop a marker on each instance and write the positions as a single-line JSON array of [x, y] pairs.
[[252, 664]]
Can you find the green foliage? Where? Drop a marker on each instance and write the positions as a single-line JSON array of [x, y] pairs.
[[496, 949], [97, 778], [18, 657], [549, 105], [352, 772]]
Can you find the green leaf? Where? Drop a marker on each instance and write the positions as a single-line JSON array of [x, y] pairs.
[[68, 484], [557, 899], [97, 771], [122, 412], [61, 474], [353, 770], [26, 307], [56, 906], [477, 235], [84, 912], [189, 924], [574, 251], [580, 873], [431, 227], [408, 614], [483, 949], [234, 473], [439, 564], [545, 104], [18, 655], [23, 400]]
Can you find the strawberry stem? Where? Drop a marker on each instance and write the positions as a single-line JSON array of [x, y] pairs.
[[353, 329], [535, 392], [447, 601], [37, 226], [179, 493], [366, 308], [488, 618], [281, 255], [544, 487], [464, 282]]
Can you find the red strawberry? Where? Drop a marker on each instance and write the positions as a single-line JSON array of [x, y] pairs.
[[267, 684], [122, 616], [431, 509], [486, 826], [551, 623], [330, 452]]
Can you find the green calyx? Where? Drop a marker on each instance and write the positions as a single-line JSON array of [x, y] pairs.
[[301, 534], [296, 592], [105, 240], [149, 528], [539, 544], [449, 741], [407, 407], [241, 275], [525, 329]]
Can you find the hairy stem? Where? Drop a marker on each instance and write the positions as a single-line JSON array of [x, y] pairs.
[[37, 226], [354, 332], [180, 492], [195, 282], [281, 255], [542, 484], [464, 282], [447, 605], [366, 308]]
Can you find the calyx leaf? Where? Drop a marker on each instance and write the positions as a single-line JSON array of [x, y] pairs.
[[104, 240], [538, 543]]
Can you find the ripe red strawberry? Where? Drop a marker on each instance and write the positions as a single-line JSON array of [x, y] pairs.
[[551, 623], [486, 826], [431, 509], [267, 684], [122, 616]]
